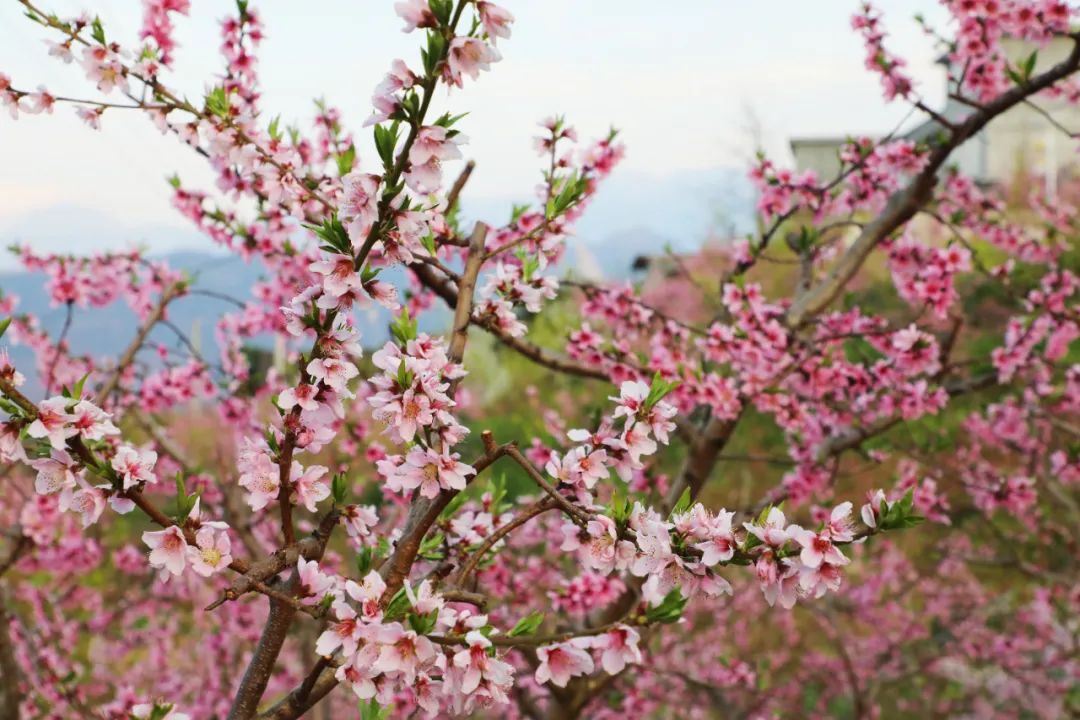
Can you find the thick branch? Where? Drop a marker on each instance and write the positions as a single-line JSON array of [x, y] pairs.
[[280, 619], [903, 205]]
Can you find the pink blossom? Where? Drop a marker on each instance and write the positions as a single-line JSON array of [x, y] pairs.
[[406, 414], [468, 56], [424, 599], [54, 474], [345, 633], [816, 547], [134, 466], [211, 552], [618, 648], [496, 20], [871, 511], [260, 476], [429, 471], [332, 372], [88, 502], [368, 593], [559, 663], [168, 549], [11, 449], [476, 665], [313, 583], [631, 400], [359, 205], [416, 14], [359, 520], [311, 487], [774, 532], [302, 395], [402, 651], [719, 541], [53, 422], [339, 275]]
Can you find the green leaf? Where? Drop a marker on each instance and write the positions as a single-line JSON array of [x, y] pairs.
[[453, 506], [433, 55], [97, 31], [76, 392], [528, 624], [669, 610], [217, 102], [404, 328], [658, 390], [339, 488], [364, 560], [345, 160], [4, 325], [447, 120], [683, 504], [333, 234], [274, 130], [181, 487], [442, 9], [620, 506], [372, 710], [160, 712], [430, 544], [386, 139], [398, 605], [423, 624], [1029, 65], [497, 486]]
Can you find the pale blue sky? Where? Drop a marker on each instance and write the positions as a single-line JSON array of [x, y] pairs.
[[676, 77]]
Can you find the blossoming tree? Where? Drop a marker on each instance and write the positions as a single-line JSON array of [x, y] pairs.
[[364, 530]]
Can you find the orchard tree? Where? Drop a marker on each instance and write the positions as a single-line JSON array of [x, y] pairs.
[[384, 533]]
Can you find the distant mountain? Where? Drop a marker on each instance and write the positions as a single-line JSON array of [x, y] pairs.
[[103, 332], [631, 215], [69, 228], [636, 213]]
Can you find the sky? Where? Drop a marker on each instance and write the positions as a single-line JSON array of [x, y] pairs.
[[683, 81]]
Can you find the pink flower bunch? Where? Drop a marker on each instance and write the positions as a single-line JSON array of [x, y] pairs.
[[925, 276], [157, 25], [410, 391], [895, 81]]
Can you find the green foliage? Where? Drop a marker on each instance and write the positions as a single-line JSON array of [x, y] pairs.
[[217, 102], [404, 329], [571, 190], [339, 488], [365, 560], [658, 389], [683, 504], [430, 548], [372, 710], [1021, 74], [97, 31], [423, 624], [899, 514], [386, 139], [345, 160], [184, 503], [334, 237], [528, 624], [433, 55], [669, 610]]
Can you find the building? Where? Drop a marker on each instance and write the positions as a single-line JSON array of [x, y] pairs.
[[1025, 140]]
